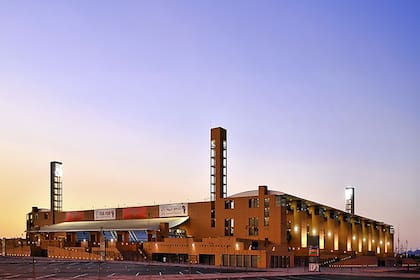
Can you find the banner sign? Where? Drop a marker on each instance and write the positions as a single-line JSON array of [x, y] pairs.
[[134, 213], [105, 214], [173, 210], [313, 251], [74, 216]]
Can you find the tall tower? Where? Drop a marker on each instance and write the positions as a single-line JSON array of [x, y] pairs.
[[349, 196], [56, 188], [218, 168]]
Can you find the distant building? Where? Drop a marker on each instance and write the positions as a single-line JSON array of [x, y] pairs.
[[258, 228]]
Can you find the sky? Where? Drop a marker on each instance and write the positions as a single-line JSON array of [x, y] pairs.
[[315, 96]]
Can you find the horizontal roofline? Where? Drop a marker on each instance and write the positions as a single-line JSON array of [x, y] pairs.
[[113, 225]]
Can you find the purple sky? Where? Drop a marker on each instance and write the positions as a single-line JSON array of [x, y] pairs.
[[315, 95]]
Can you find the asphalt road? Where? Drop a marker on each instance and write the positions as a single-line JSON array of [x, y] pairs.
[[44, 268]]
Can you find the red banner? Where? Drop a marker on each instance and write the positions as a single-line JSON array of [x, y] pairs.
[[74, 216], [134, 213]]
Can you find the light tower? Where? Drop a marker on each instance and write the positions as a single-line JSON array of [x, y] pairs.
[[349, 199], [218, 168], [56, 188]]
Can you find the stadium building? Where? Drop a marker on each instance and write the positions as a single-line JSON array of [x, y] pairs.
[[261, 228]]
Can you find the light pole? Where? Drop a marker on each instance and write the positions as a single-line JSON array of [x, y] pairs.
[[33, 258]]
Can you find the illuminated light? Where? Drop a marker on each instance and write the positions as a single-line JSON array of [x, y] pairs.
[[348, 193], [329, 234], [381, 242], [364, 239], [193, 245], [354, 237], [112, 239], [156, 245], [314, 232], [237, 246], [388, 243], [373, 241], [296, 228]]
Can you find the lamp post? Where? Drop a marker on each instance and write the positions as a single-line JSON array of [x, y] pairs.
[[104, 240], [33, 258]]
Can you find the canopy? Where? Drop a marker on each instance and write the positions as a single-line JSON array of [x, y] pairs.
[[113, 225]]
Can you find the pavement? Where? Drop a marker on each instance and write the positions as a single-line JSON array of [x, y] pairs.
[[45, 268]]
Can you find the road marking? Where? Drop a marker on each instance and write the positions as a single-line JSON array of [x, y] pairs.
[[198, 272], [80, 275], [12, 276], [112, 274], [46, 276]]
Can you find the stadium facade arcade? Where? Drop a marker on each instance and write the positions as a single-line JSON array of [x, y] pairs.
[[258, 228]]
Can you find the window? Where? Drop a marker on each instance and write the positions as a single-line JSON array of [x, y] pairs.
[[213, 223], [281, 201], [254, 203], [239, 260], [225, 259], [246, 260], [254, 261], [229, 226], [231, 260], [267, 202], [266, 211], [229, 204], [278, 201], [253, 226]]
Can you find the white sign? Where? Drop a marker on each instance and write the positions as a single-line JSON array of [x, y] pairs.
[[173, 210], [313, 267], [105, 214]]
